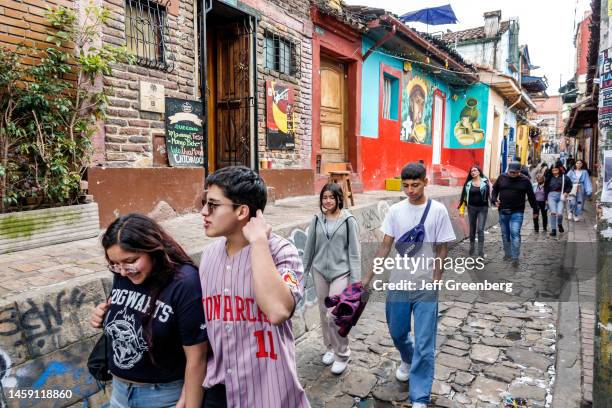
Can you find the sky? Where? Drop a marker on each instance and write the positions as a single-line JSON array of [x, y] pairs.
[[546, 26]]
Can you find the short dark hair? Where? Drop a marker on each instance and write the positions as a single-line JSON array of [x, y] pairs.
[[242, 186], [414, 171], [336, 190]]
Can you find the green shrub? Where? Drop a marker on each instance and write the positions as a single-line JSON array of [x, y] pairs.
[[48, 111]]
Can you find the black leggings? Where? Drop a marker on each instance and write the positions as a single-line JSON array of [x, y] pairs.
[[215, 397], [541, 207], [478, 220]]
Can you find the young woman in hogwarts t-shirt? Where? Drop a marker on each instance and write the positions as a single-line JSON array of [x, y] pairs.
[[153, 319]]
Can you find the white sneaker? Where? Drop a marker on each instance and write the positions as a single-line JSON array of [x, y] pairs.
[[328, 358], [419, 405], [402, 372], [338, 367], [577, 218]]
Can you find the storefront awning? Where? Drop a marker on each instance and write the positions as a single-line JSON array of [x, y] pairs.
[[507, 87], [534, 84], [583, 114]]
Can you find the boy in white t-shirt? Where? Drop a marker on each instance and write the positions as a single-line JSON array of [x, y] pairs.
[[418, 359]]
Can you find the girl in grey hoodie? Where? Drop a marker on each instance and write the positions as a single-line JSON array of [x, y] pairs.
[[332, 252]]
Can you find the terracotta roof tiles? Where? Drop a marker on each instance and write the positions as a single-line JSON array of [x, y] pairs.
[[472, 33]]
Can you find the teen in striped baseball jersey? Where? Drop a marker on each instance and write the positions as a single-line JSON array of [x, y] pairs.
[[251, 283]]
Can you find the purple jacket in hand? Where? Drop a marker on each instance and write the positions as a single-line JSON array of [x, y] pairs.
[[348, 307]]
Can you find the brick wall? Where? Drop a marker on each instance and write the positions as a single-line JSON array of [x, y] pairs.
[[291, 20], [129, 132], [22, 22]]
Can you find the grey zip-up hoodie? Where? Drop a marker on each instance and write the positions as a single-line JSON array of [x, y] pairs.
[[339, 254]]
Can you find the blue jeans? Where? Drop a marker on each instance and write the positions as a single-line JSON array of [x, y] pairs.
[[160, 395], [400, 307], [555, 206], [576, 203], [511, 233]]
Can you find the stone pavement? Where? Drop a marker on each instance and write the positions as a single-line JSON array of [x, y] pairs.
[[578, 314], [488, 343], [32, 270], [488, 347]]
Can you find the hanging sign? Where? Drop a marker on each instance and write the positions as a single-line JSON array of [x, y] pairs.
[[605, 90]]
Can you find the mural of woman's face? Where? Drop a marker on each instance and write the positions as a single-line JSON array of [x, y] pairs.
[[417, 104]]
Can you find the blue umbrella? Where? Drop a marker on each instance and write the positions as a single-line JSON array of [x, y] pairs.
[[432, 15]]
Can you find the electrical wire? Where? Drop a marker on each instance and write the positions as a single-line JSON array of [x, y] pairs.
[[458, 88]]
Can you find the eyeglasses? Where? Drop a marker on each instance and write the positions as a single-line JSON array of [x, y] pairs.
[[128, 267], [211, 206]]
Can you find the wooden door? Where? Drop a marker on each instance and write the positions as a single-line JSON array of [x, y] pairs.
[[333, 112], [211, 97], [233, 98]]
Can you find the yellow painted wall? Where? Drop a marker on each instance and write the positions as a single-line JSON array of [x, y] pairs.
[[522, 143]]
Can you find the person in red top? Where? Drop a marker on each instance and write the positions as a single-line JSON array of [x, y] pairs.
[[251, 284]]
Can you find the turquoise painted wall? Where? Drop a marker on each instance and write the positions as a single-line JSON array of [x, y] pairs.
[[370, 87], [419, 86], [469, 118]]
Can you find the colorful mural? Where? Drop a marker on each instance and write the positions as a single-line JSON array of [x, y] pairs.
[[417, 96], [469, 118]]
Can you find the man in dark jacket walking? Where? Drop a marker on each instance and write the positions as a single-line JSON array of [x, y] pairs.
[[508, 195]]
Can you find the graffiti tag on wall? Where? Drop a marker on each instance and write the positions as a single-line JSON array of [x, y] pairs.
[[38, 321]]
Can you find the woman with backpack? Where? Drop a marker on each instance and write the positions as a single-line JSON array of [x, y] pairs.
[[154, 319], [581, 189], [332, 253], [475, 196]]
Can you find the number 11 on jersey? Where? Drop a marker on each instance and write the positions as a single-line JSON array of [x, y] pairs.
[[261, 343]]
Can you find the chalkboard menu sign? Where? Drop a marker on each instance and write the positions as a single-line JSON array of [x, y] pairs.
[[184, 133]]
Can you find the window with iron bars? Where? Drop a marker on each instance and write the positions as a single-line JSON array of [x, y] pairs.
[[281, 54], [145, 31]]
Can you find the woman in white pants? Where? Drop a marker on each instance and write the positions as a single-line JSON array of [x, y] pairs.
[[332, 253]]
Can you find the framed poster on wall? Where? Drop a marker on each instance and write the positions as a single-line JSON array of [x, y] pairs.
[[280, 116]]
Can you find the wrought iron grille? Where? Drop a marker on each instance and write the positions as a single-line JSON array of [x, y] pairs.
[[281, 55], [145, 32]]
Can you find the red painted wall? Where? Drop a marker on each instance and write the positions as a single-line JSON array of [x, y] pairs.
[[582, 46], [463, 158], [384, 158]]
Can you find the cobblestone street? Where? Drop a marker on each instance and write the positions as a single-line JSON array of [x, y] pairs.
[[535, 344], [487, 347]]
